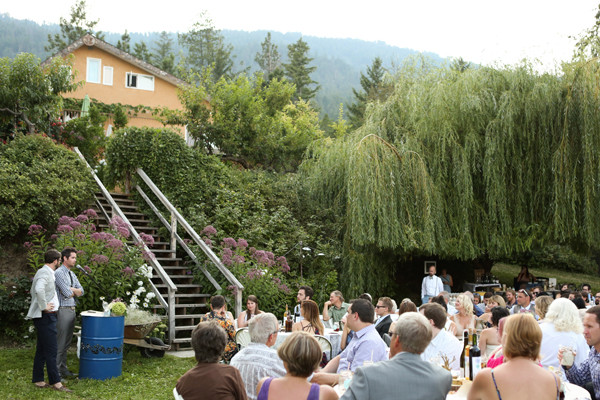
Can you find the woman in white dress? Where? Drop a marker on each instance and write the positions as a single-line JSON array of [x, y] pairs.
[[489, 339], [562, 327], [464, 319]]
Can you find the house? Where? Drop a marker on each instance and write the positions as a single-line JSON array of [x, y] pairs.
[[110, 75]]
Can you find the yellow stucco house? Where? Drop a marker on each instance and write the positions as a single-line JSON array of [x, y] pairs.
[[111, 75]]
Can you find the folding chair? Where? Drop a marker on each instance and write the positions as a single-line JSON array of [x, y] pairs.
[[242, 338], [325, 345]]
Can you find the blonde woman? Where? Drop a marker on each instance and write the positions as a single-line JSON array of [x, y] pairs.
[[513, 379], [464, 319], [541, 306], [494, 301]]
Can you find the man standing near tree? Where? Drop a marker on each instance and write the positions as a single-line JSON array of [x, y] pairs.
[[68, 289], [432, 285], [44, 304]]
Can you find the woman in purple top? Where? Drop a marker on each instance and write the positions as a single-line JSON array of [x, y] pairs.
[[301, 355]]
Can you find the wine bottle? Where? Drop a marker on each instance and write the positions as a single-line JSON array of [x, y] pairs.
[[465, 344], [475, 358], [285, 314], [467, 370]]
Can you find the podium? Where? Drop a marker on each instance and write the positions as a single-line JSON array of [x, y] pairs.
[[101, 349]]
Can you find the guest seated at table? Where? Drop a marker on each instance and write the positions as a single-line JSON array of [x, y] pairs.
[[541, 306], [335, 308], [449, 325], [218, 312], [513, 379], [443, 344], [489, 340], [384, 320], [497, 357], [589, 370], [524, 278], [407, 306], [311, 321], [258, 360], [301, 355], [562, 327], [366, 345], [251, 311], [464, 319], [494, 301], [524, 304], [210, 379], [511, 298], [405, 375], [449, 307]]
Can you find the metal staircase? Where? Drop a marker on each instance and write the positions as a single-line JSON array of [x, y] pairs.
[[173, 283]]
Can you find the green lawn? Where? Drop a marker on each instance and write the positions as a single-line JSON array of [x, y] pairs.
[[142, 378], [506, 273]]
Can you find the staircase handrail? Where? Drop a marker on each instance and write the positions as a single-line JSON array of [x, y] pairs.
[[196, 238]]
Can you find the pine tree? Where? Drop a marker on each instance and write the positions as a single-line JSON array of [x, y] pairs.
[[298, 72], [140, 50], [124, 43], [268, 59], [163, 56], [373, 88], [73, 29]]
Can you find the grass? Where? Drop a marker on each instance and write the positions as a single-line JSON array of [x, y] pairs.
[[506, 272], [142, 378]]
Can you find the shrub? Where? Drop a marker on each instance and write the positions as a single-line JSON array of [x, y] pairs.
[[39, 181], [559, 257], [119, 269], [87, 133], [14, 304]]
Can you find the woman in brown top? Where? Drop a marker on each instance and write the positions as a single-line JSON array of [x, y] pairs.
[[209, 379]]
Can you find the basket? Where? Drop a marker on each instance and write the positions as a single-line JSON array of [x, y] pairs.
[[139, 331]]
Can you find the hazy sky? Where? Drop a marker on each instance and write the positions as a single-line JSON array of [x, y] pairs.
[[482, 31]]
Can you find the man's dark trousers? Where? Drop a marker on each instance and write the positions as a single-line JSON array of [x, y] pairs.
[[45, 351]]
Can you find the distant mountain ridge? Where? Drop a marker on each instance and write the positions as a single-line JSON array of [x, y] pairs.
[[339, 62]]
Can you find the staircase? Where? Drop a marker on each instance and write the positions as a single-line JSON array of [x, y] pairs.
[[190, 303]]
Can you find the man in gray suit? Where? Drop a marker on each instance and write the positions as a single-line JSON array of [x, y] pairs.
[[44, 304], [405, 375]]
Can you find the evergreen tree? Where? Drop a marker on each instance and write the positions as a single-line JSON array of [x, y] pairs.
[[268, 59], [206, 47], [460, 65], [73, 29], [124, 43], [373, 88], [140, 50], [163, 56], [298, 72]]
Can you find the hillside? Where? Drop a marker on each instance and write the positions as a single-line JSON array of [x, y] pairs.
[[339, 62]]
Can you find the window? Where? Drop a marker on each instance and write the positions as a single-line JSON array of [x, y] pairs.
[[93, 70], [107, 76], [139, 81]]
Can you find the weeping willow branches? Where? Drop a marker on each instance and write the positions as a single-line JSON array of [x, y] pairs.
[[466, 164]]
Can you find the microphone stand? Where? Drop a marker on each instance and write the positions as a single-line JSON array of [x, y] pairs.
[[98, 286]]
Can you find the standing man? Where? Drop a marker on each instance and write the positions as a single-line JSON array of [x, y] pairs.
[[258, 359], [432, 285], [44, 304], [588, 370], [405, 375], [383, 310], [304, 293], [335, 308], [68, 289]]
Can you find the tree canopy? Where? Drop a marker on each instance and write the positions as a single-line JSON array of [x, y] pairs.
[[298, 71], [482, 163], [71, 30]]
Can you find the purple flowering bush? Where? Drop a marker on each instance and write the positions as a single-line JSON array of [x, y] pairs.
[[262, 273], [120, 269]]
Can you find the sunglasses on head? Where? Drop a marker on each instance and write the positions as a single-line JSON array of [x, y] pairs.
[[524, 292]]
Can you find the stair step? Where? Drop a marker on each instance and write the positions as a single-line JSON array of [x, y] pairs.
[[186, 316], [195, 305], [184, 328], [182, 340], [182, 286], [190, 295], [106, 204]]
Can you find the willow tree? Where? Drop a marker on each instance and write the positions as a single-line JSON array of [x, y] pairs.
[[471, 165]]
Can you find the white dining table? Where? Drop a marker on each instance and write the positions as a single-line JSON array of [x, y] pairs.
[[334, 337]]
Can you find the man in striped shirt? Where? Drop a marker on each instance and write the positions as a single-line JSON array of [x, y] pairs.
[[258, 359]]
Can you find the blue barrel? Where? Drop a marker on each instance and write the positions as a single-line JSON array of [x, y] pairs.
[[101, 350]]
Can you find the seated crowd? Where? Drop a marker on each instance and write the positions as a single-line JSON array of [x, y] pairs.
[[407, 349]]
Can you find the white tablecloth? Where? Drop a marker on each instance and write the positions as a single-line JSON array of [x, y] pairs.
[[334, 337]]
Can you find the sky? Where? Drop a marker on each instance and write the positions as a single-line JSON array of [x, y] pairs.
[[481, 31]]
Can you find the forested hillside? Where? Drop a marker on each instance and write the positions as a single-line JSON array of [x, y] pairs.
[[339, 62]]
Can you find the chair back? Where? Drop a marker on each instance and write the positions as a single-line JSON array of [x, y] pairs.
[[387, 339], [176, 395], [325, 345], [242, 338]]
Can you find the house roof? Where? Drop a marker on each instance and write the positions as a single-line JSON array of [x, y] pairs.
[[92, 41]]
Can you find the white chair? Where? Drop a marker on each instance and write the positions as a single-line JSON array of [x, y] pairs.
[[176, 395], [242, 337], [325, 345]]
